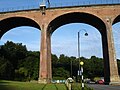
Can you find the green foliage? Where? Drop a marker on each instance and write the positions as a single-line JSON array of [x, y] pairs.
[[93, 67], [13, 52], [61, 73], [6, 71], [97, 78], [16, 63], [21, 74], [118, 62]]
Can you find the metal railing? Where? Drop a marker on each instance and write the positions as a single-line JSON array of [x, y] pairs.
[[85, 3], [19, 8], [62, 4]]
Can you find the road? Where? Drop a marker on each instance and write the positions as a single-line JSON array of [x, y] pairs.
[[103, 87]]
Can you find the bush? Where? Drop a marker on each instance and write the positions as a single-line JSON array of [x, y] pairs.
[[96, 79]]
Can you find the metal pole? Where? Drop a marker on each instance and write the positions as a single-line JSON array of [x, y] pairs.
[[82, 77], [79, 54], [48, 3], [71, 68], [81, 62]]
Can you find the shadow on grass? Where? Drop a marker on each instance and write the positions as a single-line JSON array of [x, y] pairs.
[[56, 87], [44, 87], [4, 85]]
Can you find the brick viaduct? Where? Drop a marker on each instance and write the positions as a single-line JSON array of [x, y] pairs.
[[101, 17]]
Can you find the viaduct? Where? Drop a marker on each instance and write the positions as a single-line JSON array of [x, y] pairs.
[[101, 17]]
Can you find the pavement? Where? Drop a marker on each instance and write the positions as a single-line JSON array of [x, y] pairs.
[[103, 87]]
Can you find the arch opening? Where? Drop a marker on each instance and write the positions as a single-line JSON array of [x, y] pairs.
[[22, 32], [64, 46], [116, 36], [85, 18], [116, 32]]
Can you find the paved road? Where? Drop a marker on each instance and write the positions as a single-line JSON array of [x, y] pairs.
[[103, 87]]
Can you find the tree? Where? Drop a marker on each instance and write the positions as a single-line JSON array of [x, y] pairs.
[[16, 61], [6, 71], [13, 52], [60, 73], [118, 62], [31, 64], [93, 67], [10, 54], [54, 59], [21, 74]]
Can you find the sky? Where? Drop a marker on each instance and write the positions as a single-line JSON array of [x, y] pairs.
[[64, 40], [8, 5]]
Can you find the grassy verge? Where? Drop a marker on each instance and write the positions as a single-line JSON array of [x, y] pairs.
[[77, 86], [14, 85]]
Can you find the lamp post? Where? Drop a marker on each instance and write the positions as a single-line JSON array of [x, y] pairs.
[[81, 63]]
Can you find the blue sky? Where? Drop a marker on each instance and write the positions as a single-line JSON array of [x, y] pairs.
[[24, 4], [64, 39]]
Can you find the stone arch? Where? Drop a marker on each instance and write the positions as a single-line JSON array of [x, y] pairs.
[[12, 22], [76, 17], [103, 26]]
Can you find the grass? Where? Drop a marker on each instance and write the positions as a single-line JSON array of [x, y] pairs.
[[77, 86], [14, 85]]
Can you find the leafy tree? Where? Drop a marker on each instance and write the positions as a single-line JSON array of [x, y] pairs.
[[13, 52], [60, 72], [6, 71], [93, 67], [118, 62], [31, 63], [21, 74], [16, 61], [54, 60]]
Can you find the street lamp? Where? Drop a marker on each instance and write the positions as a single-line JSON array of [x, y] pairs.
[[81, 63]]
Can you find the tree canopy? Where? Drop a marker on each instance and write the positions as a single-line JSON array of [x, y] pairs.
[[17, 63]]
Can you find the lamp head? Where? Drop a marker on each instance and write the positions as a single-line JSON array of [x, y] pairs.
[[81, 63], [86, 34]]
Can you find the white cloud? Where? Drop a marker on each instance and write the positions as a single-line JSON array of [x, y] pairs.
[[64, 40]]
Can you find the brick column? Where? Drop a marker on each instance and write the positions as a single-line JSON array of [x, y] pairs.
[[49, 64], [114, 76], [45, 57]]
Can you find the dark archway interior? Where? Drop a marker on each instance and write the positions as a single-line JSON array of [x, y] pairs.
[[9, 23], [77, 18]]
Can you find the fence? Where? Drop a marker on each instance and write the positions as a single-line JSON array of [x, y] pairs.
[[61, 4]]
